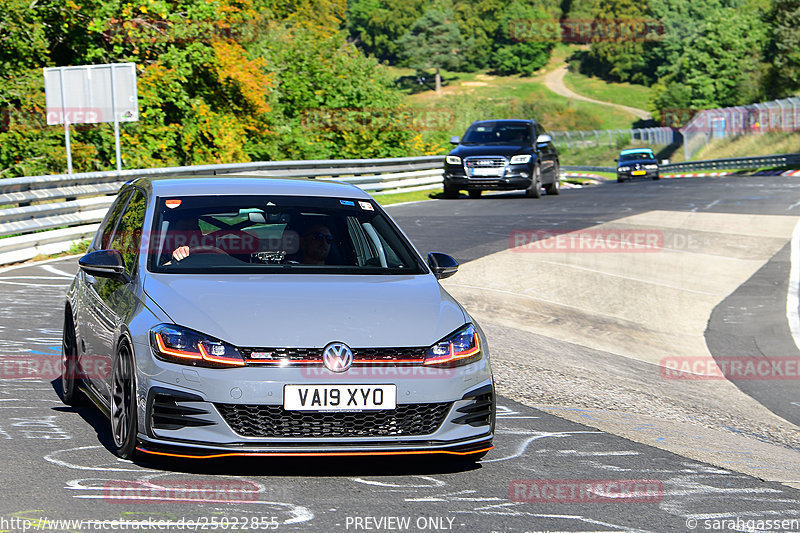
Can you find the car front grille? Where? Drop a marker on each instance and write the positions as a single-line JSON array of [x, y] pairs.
[[485, 162], [274, 421], [314, 355]]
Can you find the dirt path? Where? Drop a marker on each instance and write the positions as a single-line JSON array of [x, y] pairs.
[[555, 82]]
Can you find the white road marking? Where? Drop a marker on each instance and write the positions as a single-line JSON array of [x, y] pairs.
[[53, 458], [54, 270], [433, 483], [596, 454], [792, 299], [57, 285], [523, 447]]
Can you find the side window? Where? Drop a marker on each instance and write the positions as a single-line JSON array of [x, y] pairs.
[[103, 237], [128, 234]]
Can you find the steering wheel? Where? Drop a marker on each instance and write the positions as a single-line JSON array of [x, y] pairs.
[[206, 249]]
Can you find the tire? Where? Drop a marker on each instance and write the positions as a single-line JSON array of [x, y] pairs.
[[450, 192], [535, 190], [554, 188], [656, 177], [475, 194], [620, 180], [70, 382], [124, 423]]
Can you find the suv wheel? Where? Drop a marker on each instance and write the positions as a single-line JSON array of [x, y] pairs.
[[555, 187], [475, 194], [450, 192], [535, 190]]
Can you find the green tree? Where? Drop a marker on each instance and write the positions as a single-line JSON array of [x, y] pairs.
[[376, 26], [518, 51], [783, 49], [721, 68], [434, 41]]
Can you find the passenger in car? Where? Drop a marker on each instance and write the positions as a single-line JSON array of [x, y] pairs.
[[315, 244]]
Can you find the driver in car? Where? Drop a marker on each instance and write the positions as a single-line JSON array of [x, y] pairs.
[[315, 245]]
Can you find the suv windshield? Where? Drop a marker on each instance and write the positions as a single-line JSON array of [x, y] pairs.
[[637, 156], [498, 133], [246, 234]]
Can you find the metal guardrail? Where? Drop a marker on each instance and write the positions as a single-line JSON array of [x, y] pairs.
[[72, 205], [783, 160]]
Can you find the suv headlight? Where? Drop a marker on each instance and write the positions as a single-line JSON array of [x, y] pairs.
[[623, 169], [453, 160], [651, 167], [520, 159], [460, 348], [186, 347]]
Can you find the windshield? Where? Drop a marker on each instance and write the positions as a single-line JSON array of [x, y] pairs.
[[637, 156], [246, 234], [498, 133]]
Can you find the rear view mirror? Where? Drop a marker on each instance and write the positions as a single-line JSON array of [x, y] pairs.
[[454, 139], [543, 139], [443, 265], [105, 264]]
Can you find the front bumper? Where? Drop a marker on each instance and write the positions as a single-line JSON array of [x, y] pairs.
[[508, 182], [200, 412], [630, 175]]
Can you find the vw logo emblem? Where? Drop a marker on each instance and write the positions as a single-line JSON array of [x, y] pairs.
[[337, 357]]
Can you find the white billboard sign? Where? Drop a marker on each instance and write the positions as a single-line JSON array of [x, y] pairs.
[[91, 94]]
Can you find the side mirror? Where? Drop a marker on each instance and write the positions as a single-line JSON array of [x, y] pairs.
[[443, 265], [105, 264], [544, 139], [616, 160], [454, 139]]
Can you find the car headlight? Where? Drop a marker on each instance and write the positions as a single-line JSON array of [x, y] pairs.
[[623, 169], [460, 348], [184, 346], [520, 159], [651, 167], [453, 160]]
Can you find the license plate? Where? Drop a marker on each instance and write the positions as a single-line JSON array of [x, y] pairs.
[[339, 397], [498, 171], [639, 172]]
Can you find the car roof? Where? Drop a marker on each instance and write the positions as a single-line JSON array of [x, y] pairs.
[[506, 120], [636, 151], [207, 185]]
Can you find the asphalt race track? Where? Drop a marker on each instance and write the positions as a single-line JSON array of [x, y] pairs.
[[577, 341]]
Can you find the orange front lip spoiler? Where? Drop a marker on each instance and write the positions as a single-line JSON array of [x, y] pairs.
[[309, 454]]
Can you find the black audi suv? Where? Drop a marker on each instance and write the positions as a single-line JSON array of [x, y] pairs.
[[502, 155]]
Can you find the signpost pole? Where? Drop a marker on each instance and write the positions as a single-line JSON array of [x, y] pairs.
[[116, 118], [66, 122]]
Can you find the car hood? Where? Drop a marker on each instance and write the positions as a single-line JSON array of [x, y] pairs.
[[310, 311], [466, 150]]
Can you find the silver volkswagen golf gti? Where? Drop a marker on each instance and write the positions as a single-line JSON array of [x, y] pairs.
[[247, 315]]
